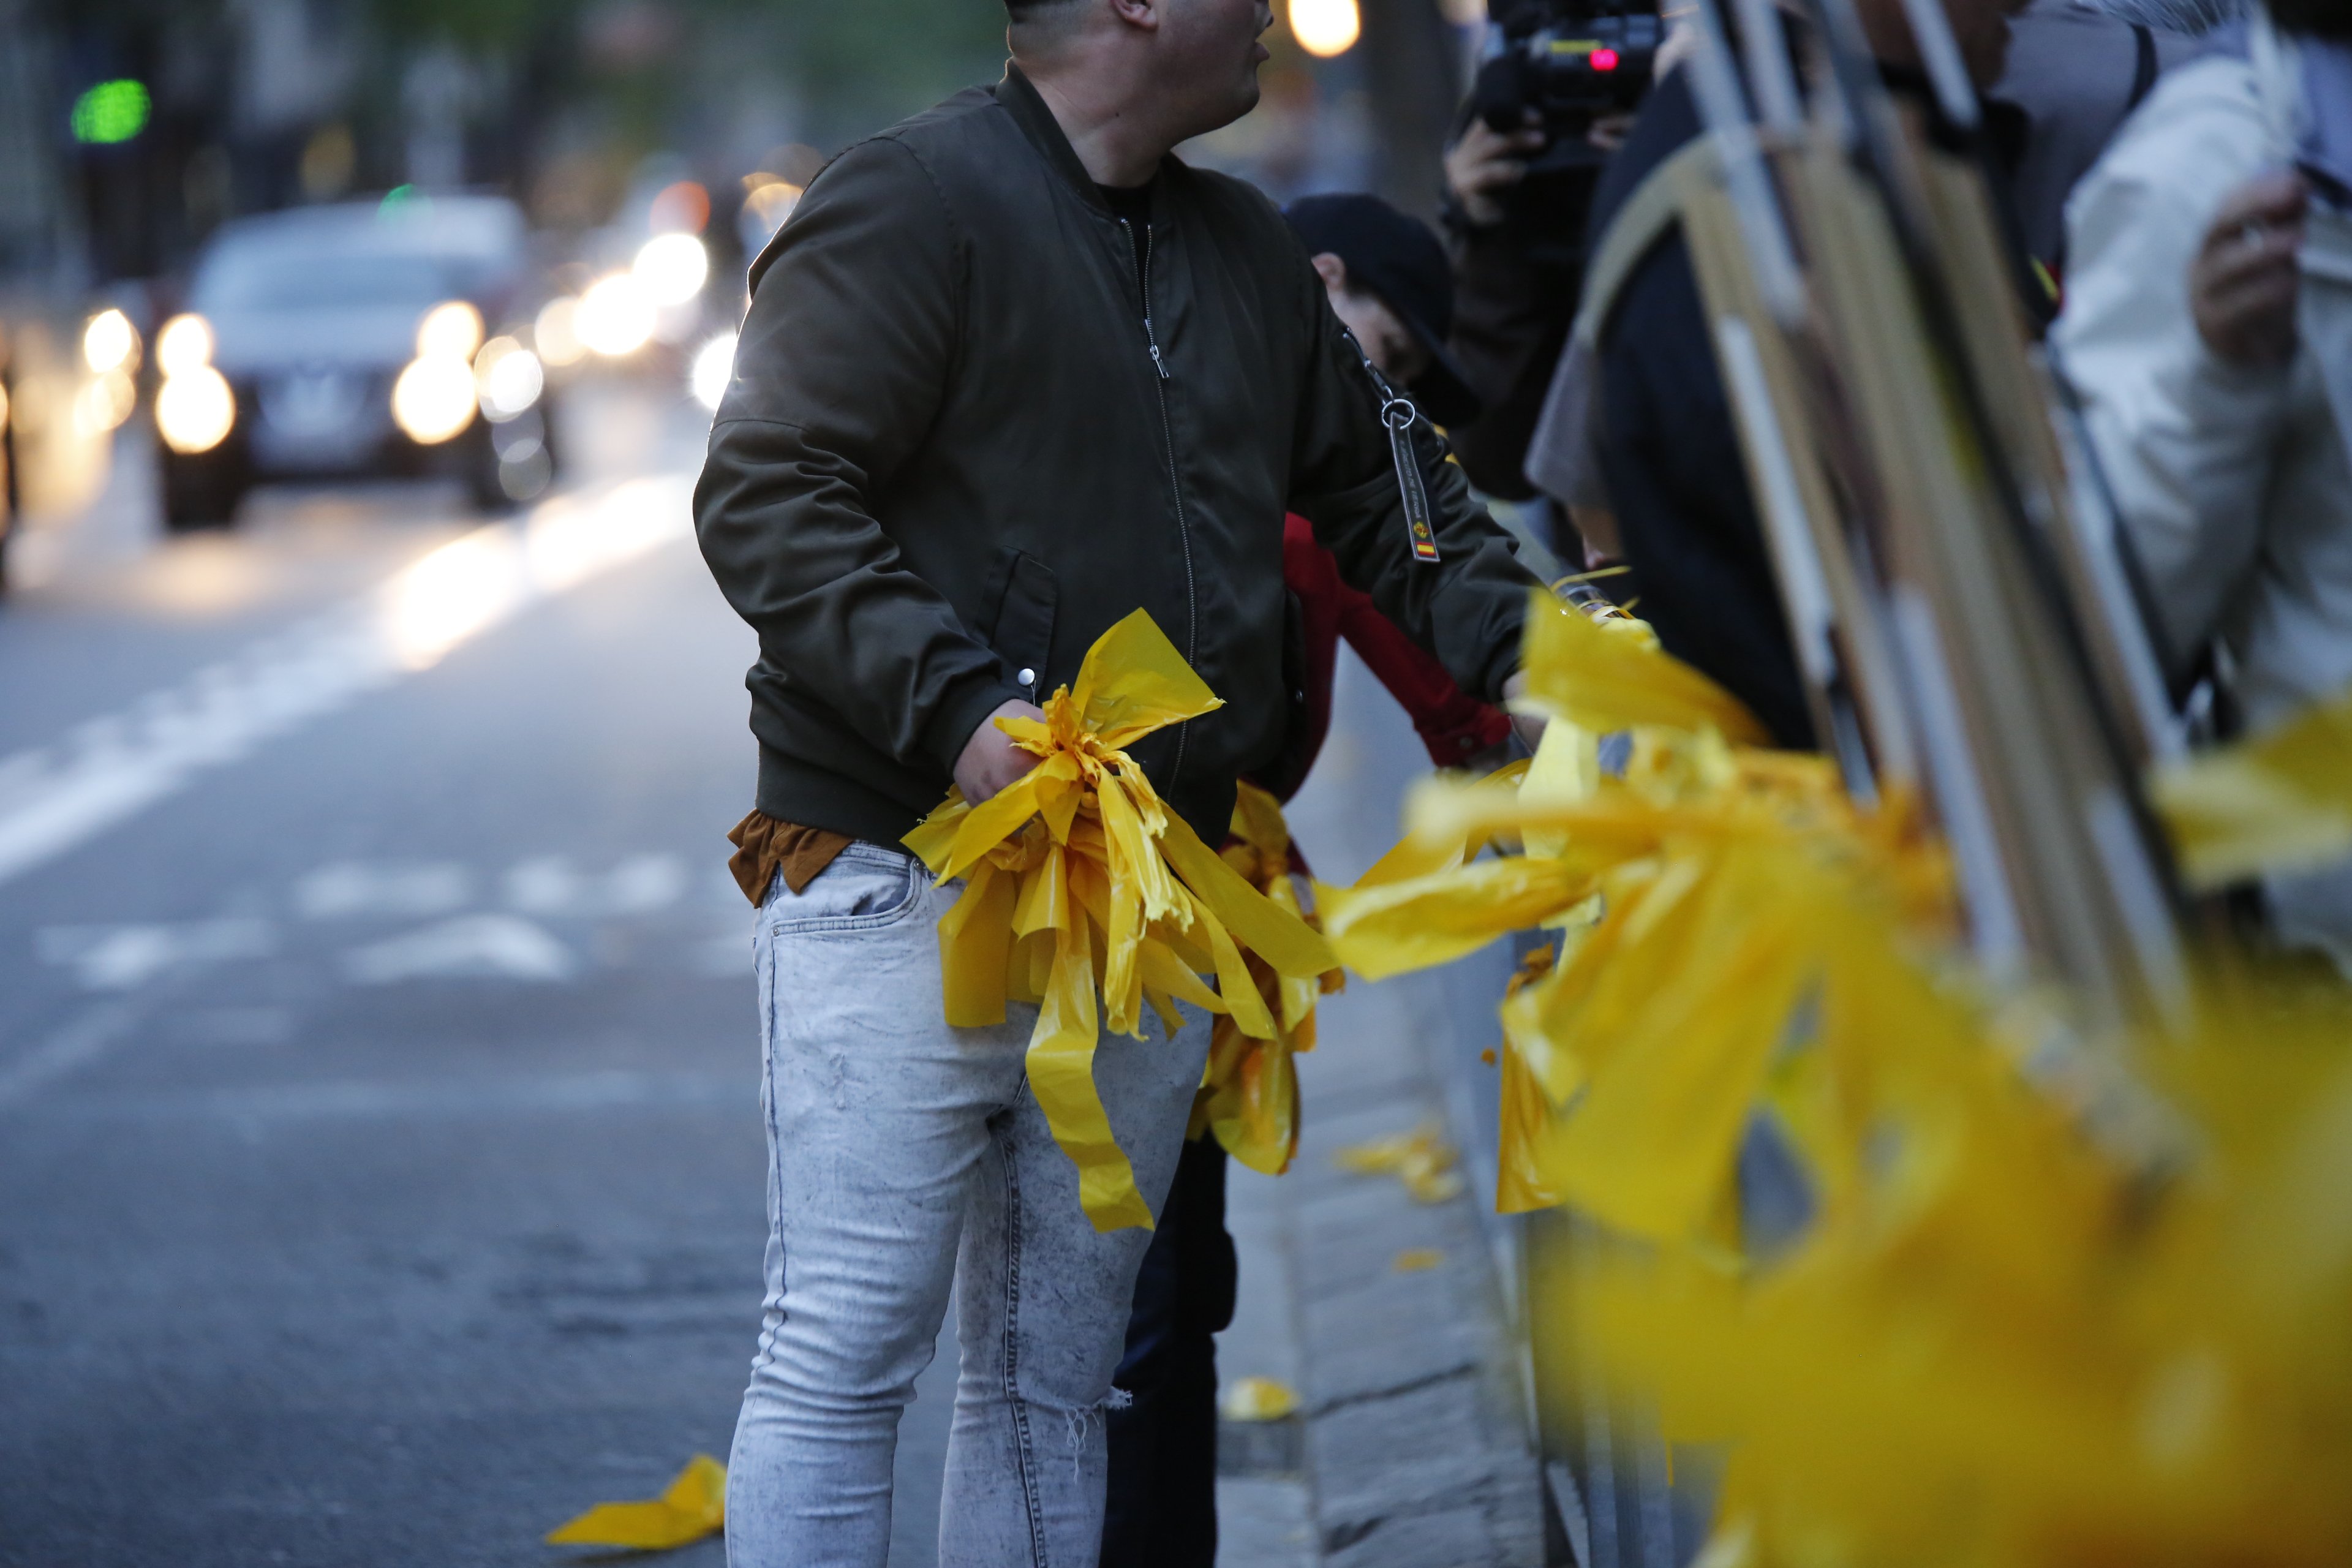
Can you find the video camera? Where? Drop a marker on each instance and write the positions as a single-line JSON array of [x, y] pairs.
[[1571, 62]]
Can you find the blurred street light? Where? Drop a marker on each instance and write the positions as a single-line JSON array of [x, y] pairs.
[[672, 269], [509, 379], [614, 319], [1326, 27], [766, 206], [556, 332], [714, 367]]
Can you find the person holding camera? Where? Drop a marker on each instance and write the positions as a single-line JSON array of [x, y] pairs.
[[1519, 178], [1648, 433]]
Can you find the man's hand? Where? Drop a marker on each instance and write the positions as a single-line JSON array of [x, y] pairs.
[[2243, 283], [991, 760], [1530, 726], [1482, 167]]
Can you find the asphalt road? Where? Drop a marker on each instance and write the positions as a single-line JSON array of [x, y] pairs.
[[379, 1158]]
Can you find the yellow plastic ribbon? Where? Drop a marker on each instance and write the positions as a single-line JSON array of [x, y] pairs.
[[1685, 895], [1608, 673], [694, 1506], [1249, 1095], [2109, 1362], [1079, 881], [2280, 801]]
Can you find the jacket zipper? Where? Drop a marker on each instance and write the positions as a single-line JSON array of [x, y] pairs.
[[1175, 484]]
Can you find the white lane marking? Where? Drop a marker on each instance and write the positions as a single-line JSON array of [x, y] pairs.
[[637, 886], [125, 957], [60, 796], [496, 947], [255, 1106], [350, 888], [82, 1041]]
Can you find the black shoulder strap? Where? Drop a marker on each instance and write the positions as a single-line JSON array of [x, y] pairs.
[[2144, 73]]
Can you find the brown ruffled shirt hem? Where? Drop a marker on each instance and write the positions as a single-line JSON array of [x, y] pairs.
[[763, 846]]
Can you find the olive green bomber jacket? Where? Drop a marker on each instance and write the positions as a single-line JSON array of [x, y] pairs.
[[975, 421]]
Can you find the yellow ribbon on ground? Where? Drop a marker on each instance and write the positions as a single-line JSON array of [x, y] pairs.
[[1249, 1095], [1079, 881], [694, 1506]]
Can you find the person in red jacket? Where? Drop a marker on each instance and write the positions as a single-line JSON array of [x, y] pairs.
[[1389, 282]]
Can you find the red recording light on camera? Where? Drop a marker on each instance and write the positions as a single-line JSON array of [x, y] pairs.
[[1604, 60]]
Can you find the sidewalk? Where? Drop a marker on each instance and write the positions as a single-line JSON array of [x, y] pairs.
[[1386, 1314]]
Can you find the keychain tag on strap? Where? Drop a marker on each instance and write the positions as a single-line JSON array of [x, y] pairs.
[[1397, 415]]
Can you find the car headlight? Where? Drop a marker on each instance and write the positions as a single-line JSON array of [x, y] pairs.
[[509, 378], [434, 399], [185, 343], [105, 402], [195, 410], [110, 343], [451, 330]]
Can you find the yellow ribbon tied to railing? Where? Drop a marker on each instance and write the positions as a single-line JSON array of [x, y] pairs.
[[1079, 881]]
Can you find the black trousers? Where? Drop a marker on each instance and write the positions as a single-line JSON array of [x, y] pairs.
[[1163, 1506]]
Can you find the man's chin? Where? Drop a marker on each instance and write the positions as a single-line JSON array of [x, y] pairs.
[[1232, 109]]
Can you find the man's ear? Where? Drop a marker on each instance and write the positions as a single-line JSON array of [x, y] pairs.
[[1143, 13], [1333, 271]]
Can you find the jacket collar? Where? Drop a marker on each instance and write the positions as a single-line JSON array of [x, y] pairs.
[[1023, 101]]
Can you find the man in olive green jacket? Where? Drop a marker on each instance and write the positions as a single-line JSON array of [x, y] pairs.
[[1012, 372]]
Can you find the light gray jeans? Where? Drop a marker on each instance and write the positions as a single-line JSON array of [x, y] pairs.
[[904, 1157]]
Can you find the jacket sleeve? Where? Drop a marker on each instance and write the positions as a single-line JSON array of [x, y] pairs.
[[1454, 725], [2184, 438], [1466, 608], [844, 359]]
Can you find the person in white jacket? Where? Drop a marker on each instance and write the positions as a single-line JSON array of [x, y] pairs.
[[2208, 332]]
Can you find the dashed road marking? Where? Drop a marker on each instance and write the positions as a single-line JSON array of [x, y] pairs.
[[58, 797], [490, 947], [349, 890], [640, 885], [125, 957], [84, 1040]]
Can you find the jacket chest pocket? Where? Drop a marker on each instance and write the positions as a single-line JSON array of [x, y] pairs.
[[1022, 631]]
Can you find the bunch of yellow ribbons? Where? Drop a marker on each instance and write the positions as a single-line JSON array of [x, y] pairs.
[[1249, 1095], [2061, 1302], [1079, 882]]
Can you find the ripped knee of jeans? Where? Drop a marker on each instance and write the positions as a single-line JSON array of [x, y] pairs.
[[1079, 1420]]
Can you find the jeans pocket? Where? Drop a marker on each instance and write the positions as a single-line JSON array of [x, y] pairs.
[[863, 889]]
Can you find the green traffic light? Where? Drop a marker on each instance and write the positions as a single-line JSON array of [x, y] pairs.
[[109, 112]]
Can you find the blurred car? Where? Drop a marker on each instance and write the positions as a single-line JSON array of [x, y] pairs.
[[362, 339]]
